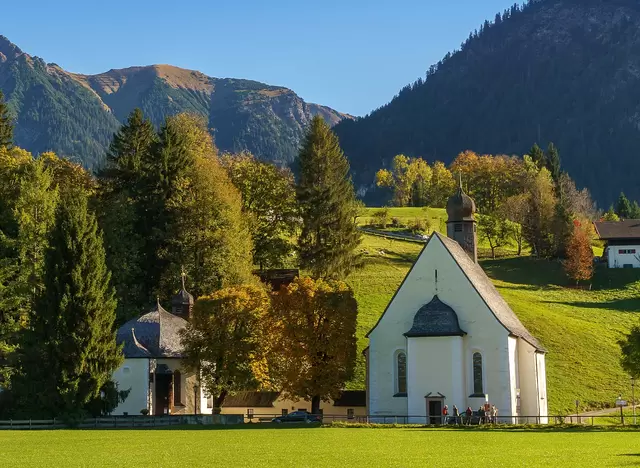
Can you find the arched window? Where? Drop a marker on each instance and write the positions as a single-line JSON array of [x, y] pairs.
[[177, 388], [478, 387], [401, 373]]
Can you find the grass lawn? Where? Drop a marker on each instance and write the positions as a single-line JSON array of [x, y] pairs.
[[299, 447], [579, 328]]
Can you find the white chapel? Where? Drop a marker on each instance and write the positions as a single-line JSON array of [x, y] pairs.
[[448, 338]]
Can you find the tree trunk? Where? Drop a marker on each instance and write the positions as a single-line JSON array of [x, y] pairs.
[[218, 401], [519, 247], [315, 404]]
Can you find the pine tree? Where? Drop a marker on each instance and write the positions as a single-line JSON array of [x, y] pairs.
[[70, 351], [6, 124], [327, 202], [623, 207], [635, 210], [552, 162], [122, 208], [537, 155]]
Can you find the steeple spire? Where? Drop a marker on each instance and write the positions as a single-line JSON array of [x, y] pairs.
[[183, 274]]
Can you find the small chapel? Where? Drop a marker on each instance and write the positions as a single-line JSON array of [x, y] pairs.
[[448, 337]]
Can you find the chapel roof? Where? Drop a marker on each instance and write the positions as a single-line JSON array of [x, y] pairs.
[[435, 319], [625, 229], [488, 292], [155, 334]]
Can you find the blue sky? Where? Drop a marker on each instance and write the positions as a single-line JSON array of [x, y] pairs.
[[352, 55]]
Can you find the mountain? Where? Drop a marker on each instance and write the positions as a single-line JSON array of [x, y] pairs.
[[76, 115], [566, 71]]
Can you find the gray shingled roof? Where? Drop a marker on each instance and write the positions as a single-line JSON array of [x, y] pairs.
[[435, 319], [488, 292], [627, 229], [155, 334]]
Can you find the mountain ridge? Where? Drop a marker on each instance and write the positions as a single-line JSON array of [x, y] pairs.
[[76, 114]]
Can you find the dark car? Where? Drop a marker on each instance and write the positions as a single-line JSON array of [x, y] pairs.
[[297, 417]]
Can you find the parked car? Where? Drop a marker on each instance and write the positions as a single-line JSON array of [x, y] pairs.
[[297, 417]]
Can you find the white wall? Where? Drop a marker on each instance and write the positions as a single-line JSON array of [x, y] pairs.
[[484, 333], [133, 374], [435, 365], [542, 387], [618, 260]]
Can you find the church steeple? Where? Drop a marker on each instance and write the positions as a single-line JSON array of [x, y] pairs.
[[182, 303], [461, 224]]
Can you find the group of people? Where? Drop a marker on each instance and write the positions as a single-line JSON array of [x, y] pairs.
[[487, 414]]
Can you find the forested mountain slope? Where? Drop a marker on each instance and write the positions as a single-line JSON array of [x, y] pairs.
[[566, 71], [76, 115]]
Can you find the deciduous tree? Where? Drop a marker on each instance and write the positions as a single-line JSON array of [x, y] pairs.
[[326, 198], [315, 325], [6, 124], [537, 227], [228, 339], [495, 230], [579, 262]]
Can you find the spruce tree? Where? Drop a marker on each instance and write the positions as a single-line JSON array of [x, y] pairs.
[[537, 155], [6, 124], [329, 238], [552, 162], [122, 207], [623, 207], [70, 351]]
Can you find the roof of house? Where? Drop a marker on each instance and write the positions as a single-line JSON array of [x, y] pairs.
[[351, 398], [251, 399], [155, 334], [626, 229], [435, 319], [485, 288]]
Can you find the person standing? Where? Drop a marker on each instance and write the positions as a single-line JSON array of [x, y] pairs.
[[445, 414], [469, 413], [456, 415]]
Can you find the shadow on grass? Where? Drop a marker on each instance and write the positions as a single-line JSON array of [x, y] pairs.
[[619, 305], [246, 426], [525, 271]]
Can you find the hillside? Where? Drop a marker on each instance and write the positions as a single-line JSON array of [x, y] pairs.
[[566, 71], [76, 115], [579, 328]]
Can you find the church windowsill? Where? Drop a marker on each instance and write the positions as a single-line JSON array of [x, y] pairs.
[[400, 395], [477, 395]]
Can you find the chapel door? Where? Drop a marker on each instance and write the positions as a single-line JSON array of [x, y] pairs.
[[163, 390], [434, 411]]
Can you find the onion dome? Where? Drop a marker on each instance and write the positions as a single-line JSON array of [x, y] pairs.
[[155, 334], [435, 319], [460, 206]]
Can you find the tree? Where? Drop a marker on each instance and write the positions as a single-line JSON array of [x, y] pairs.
[[610, 215], [537, 155], [579, 262], [495, 230], [635, 210], [69, 351], [381, 217], [537, 227], [442, 185], [227, 341], [269, 199], [514, 210], [6, 124], [205, 231], [122, 204], [552, 162], [623, 207], [326, 198], [562, 227], [630, 347], [315, 325]]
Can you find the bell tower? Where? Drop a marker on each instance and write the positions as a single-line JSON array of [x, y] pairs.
[[461, 224], [182, 303]]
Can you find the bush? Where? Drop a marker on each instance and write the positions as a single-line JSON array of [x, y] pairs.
[[395, 222], [381, 217], [421, 226]]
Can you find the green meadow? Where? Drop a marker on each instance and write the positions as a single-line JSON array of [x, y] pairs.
[[320, 446], [580, 328]]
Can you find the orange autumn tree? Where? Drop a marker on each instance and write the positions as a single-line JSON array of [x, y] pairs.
[[579, 262], [315, 336], [226, 341]]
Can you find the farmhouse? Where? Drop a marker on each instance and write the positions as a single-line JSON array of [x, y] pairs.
[[623, 242], [448, 338]]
